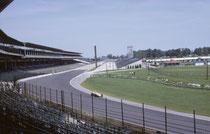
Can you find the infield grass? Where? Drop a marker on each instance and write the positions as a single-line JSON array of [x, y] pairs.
[[186, 74], [175, 98]]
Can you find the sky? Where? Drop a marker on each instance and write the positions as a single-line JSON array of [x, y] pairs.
[[111, 25]]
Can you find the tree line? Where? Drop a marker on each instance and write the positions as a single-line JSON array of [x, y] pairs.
[[180, 52]]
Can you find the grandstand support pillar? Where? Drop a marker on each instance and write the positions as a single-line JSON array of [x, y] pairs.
[[95, 56], [5, 65], [15, 64], [24, 49]]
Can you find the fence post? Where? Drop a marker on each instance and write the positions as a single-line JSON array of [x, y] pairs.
[[122, 113], [62, 99], [45, 96], [81, 105], [24, 89], [194, 122], [32, 90], [29, 88], [106, 108], [92, 109], [36, 92], [165, 121], [50, 95], [56, 96], [72, 105], [143, 117], [40, 95]]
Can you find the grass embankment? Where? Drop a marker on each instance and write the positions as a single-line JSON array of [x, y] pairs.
[[175, 98]]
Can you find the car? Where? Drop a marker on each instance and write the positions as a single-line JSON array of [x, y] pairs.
[[95, 94]]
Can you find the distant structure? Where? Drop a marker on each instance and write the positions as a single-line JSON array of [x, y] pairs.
[[95, 56], [130, 51]]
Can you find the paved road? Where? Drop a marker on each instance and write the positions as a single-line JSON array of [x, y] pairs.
[[153, 119]]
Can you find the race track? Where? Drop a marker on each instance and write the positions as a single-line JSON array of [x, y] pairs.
[[133, 114]]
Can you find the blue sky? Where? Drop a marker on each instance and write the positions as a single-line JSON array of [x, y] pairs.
[[111, 25]]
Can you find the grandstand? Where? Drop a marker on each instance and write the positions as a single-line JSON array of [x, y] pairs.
[[125, 61], [15, 54]]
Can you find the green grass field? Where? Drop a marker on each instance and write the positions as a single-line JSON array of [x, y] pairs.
[[186, 74], [175, 98]]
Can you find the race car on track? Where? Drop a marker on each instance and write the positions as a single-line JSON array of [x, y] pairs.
[[95, 94]]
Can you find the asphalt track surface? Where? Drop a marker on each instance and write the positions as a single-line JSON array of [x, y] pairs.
[[153, 119]]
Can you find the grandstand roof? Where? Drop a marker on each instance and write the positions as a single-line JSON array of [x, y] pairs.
[[8, 40], [4, 4], [4, 38], [32, 45]]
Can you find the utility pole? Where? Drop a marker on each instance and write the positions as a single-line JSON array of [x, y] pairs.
[[106, 70], [95, 56], [207, 70], [148, 68]]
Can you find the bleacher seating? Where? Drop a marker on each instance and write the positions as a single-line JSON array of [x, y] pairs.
[[25, 115]]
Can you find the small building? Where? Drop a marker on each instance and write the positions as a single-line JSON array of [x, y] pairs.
[[199, 63], [171, 63]]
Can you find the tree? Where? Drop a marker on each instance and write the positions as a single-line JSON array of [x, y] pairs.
[[205, 51], [185, 51], [109, 56], [198, 51], [122, 56]]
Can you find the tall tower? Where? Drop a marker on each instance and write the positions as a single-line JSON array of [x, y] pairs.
[[130, 51]]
